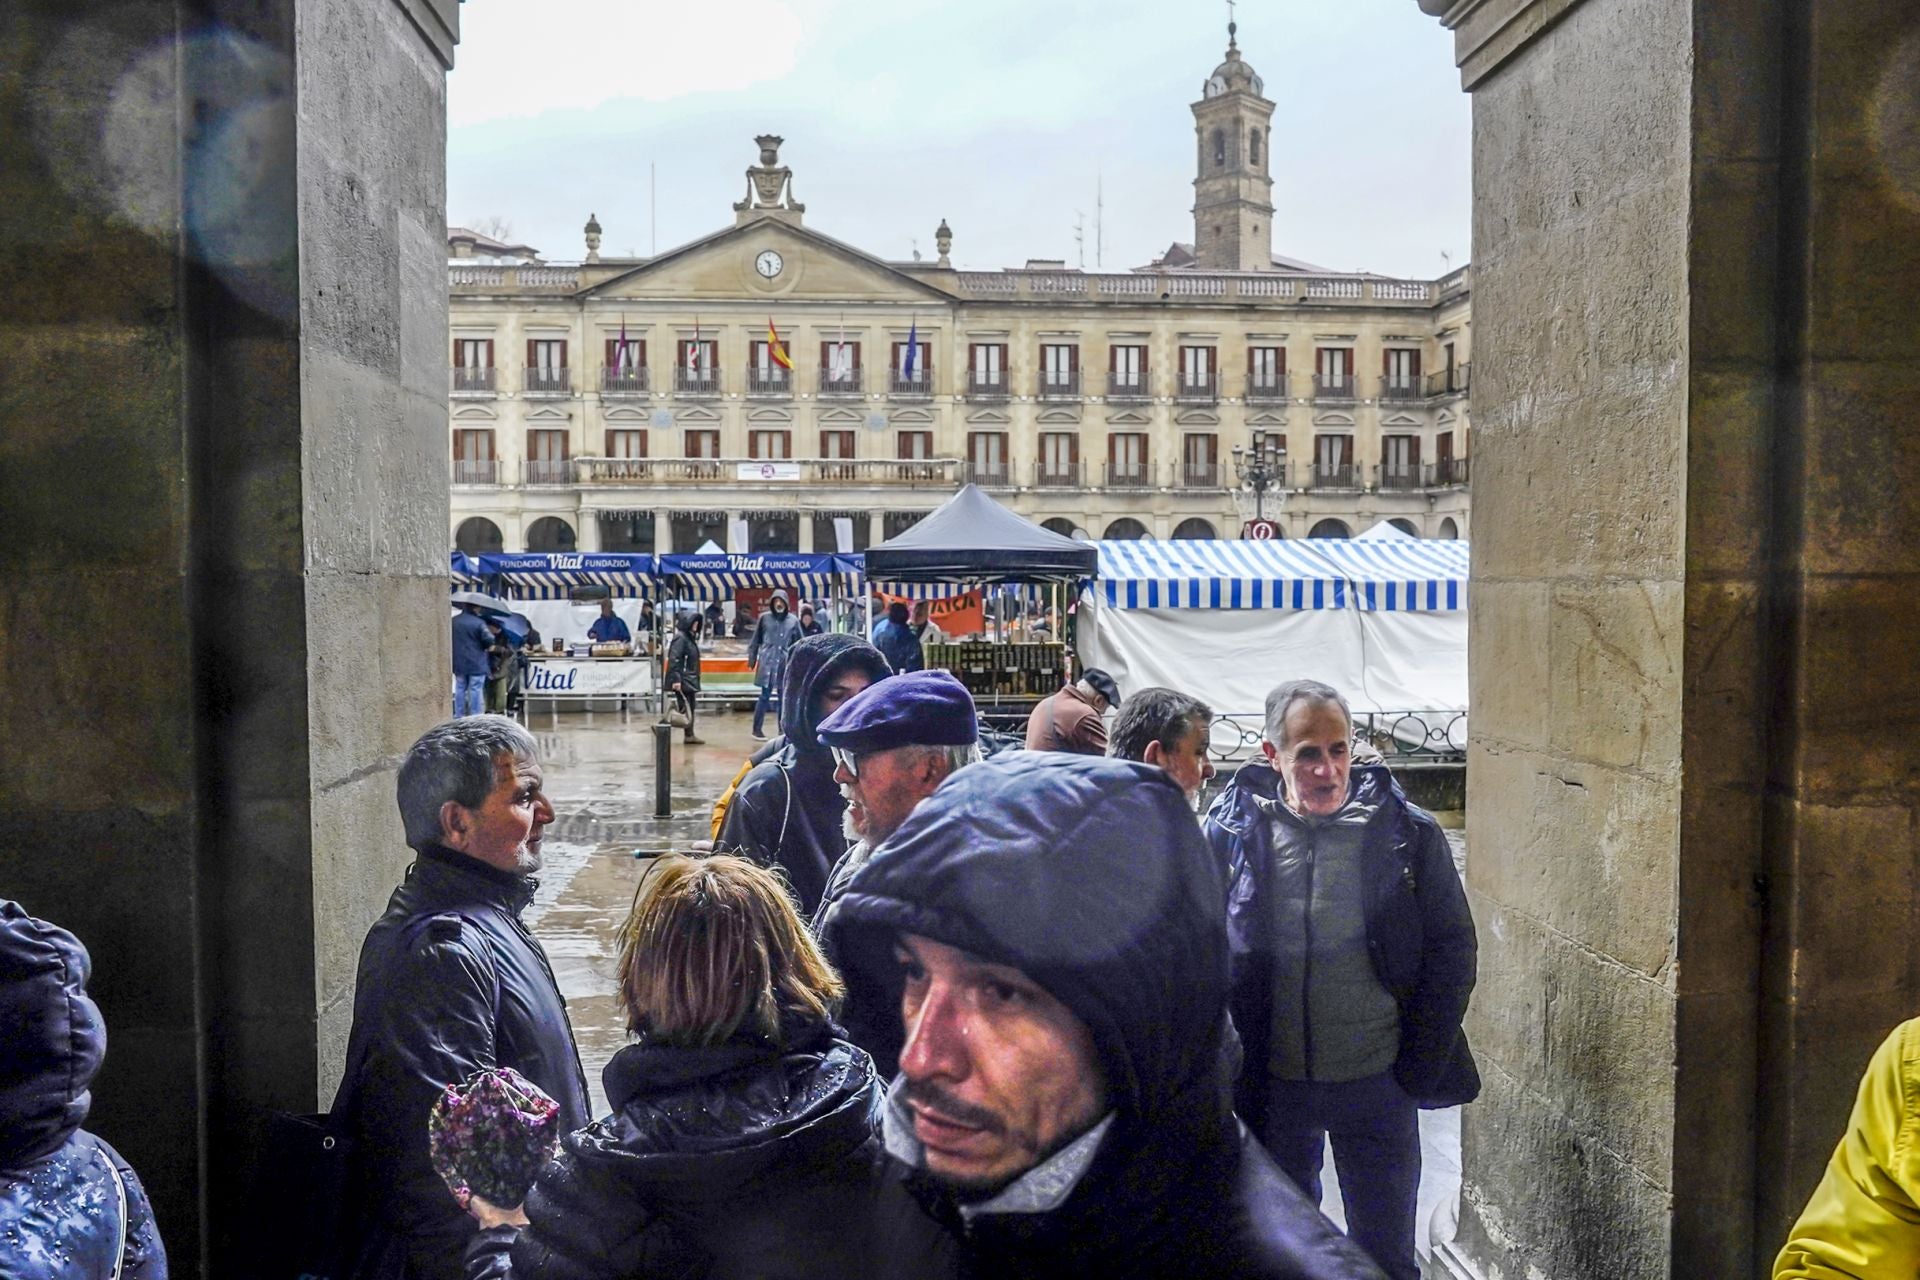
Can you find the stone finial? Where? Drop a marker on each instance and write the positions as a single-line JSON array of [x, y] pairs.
[[943, 241], [593, 238], [769, 186]]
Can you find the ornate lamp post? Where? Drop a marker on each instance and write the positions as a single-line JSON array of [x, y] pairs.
[[1261, 468]]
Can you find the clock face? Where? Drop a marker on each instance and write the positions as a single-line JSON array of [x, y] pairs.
[[769, 264]]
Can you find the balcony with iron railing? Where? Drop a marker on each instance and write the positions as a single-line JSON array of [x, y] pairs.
[[549, 471], [1451, 473], [1402, 476], [1128, 386], [917, 386], [1056, 474], [771, 382], [1129, 475], [1450, 382], [477, 471], [474, 380], [1202, 475], [1402, 386], [989, 475], [1334, 386], [692, 382], [1196, 388], [1333, 475], [891, 472], [988, 384], [624, 380], [541, 381], [1059, 384], [1266, 388], [842, 382]]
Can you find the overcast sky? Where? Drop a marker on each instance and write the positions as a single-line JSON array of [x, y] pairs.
[[1002, 116]]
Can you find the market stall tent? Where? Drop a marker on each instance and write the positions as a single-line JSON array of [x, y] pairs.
[[972, 539], [1384, 621], [543, 584]]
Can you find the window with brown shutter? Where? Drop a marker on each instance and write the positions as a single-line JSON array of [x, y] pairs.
[[770, 446], [1059, 462], [626, 442]]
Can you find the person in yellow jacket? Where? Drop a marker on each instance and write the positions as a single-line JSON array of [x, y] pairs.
[[1863, 1222]]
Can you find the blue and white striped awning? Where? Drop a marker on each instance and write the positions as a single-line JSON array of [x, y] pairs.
[[853, 567], [464, 574], [715, 577], [1313, 573], [542, 575]]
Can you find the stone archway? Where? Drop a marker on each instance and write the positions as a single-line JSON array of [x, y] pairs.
[[1195, 528], [1058, 524], [551, 533], [1126, 529], [1330, 528], [1449, 530], [479, 536], [1404, 525]]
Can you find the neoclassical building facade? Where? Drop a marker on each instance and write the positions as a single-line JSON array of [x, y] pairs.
[[647, 404]]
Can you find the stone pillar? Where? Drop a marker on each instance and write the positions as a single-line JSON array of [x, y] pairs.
[[737, 533], [588, 525], [805, 519], [230, 334], [662, 533], [876, 528], [1692, 818]]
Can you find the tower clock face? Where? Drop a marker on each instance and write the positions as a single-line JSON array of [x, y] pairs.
[[769, 264]]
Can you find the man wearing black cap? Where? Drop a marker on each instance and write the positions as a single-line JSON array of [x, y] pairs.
[[1060, 1102], [1070, 719]]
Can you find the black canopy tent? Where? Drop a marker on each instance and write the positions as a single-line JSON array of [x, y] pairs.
[[973, 539]]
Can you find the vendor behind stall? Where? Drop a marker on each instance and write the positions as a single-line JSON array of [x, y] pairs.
[[608, 628]]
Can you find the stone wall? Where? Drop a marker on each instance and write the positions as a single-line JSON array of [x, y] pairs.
[[1693, 802], [222, 515]]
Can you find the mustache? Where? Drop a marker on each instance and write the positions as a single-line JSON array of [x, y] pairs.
[[933, 1098]]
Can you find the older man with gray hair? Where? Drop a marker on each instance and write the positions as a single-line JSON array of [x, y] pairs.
[[1353, 958], [450, 982]]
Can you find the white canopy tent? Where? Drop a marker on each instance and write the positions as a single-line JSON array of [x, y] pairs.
[[1384, 621]]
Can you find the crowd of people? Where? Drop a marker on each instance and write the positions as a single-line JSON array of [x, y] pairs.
[[920, 1013]]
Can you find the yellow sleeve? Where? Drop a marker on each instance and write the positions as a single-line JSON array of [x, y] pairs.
[[1862, 1222]]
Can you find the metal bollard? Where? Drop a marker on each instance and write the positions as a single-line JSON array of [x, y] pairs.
[[662, 769]]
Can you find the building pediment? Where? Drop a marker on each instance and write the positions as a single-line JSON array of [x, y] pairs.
[[771, 261], [1403, 421], [696, 415], [627, 413], [771, 416], [841, 416], [548, 413], [1333, 420], [1129, 418], [1268, 418], [1197, 418], [988, 417], [475, 413], [1066, 414]]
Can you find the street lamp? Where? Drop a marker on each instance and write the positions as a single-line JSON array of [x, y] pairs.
[[1261, 468]]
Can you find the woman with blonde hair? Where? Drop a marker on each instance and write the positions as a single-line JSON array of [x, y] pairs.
[[744, 1138]]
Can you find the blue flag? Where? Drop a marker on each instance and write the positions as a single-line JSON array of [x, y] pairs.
[[913, 351]]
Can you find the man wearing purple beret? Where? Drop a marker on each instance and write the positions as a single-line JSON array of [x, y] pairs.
[[893, 744]]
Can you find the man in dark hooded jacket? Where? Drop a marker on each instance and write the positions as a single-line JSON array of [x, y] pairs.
[[788, 812], [1054, 928], [66, 1197]]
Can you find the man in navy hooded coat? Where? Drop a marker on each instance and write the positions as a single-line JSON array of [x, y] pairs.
[[1055, 931]]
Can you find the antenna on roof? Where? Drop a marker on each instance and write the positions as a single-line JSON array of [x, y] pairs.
[[1080, 236], [1099, 220], [653, 212]]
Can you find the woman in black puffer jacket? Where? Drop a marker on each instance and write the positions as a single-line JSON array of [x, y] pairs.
[[744, 1138]]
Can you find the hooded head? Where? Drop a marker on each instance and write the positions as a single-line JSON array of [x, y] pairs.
[[54, 1039], [897, 613], [1034, 861], [777, 602], [813, 665], [683, 622]]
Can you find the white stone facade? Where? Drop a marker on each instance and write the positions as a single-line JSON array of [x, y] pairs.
[[1109, 403]]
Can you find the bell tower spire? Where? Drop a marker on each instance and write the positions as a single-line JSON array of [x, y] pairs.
[[1233, 184]]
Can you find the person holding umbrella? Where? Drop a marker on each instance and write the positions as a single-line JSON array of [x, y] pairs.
[[471, 642]]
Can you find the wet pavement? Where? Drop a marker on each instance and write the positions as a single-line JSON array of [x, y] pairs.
[[600, 778]]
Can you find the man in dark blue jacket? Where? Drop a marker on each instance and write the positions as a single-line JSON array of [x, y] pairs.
[[472, 661], [450, 982], [69, 1205], [1353, 958], [1053, 929], [895, 638]]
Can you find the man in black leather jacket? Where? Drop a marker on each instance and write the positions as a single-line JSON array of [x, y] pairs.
[[450, 982], [1054, 928]]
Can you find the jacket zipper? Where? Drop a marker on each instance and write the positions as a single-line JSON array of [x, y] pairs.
[[1306, 968]]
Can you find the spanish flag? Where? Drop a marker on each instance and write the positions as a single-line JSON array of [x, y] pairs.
[[775, 350]]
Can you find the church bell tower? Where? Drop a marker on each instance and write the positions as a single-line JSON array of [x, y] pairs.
[[1232, 189]]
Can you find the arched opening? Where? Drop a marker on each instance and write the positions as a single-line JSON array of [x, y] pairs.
[[551, 533], [773, 531], [688, 531], [479, 536], [1060, 525], [1330, 528], [1195, 528], [1253, 147], [895, 523], [1448, 529], [1404, 525], [1125, 529], [626, 531], [1220, 148]]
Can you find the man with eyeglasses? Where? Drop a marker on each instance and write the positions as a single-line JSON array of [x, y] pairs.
[[893, 744]]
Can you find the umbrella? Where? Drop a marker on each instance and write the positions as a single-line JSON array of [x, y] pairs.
[[517, 626], [487, 603]]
